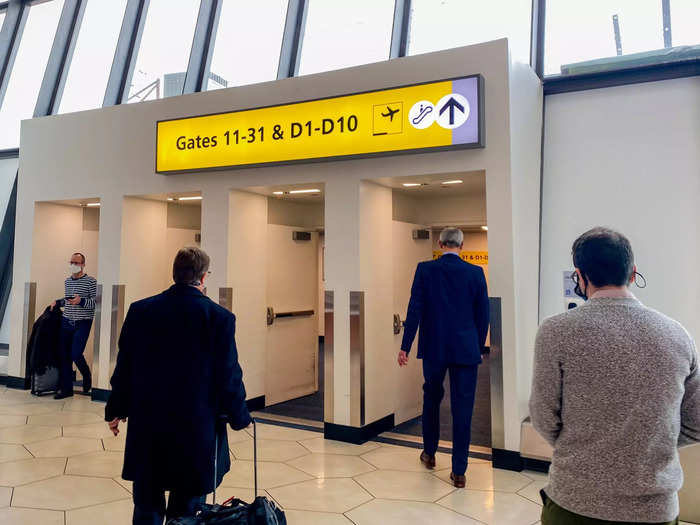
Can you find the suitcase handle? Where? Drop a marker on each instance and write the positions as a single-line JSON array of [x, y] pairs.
[[255, 459]]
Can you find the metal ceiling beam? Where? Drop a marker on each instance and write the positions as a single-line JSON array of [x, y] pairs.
[[125, 54], [10, 35], [202, 46], [400, 29], [59, 58], [292, 38]]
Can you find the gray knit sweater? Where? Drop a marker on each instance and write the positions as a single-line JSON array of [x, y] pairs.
[[616, 390]]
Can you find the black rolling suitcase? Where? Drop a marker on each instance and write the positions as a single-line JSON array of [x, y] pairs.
[[46, 382], [233, 511]]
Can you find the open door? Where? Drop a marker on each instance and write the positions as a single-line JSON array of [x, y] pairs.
[[408, 252], [292, 298]]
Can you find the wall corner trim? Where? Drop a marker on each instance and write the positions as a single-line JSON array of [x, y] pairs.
[[358, 435]]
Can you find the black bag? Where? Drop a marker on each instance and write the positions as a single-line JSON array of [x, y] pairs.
[[46, 382], [233, 511]]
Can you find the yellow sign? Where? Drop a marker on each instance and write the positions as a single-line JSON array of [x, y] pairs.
[[480, 258], [432, 116]]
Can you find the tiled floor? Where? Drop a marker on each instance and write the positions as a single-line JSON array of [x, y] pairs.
[[60, 465]]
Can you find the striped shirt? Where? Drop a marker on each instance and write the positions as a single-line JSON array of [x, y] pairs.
[[86, 288]]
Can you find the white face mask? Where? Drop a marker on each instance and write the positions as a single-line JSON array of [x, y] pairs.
[[75, 268]]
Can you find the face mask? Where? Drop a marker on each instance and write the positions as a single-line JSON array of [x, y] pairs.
[[577, 289], [74, 268]]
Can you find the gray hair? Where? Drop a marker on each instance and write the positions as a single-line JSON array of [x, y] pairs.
[[452, 237]]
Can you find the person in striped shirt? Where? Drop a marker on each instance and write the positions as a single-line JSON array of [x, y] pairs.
[[78, 312]]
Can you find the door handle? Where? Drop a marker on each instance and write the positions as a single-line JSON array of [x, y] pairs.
[[272, 315], [398, 324]]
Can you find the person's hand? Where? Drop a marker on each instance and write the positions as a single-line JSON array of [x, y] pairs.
[[75, 300], [403, 358], [53, 305], [114, 425]]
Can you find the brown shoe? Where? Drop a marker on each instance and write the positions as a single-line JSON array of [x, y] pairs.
[[427, 460], [459, 481]]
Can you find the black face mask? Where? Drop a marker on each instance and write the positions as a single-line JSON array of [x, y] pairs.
[[577, 289]]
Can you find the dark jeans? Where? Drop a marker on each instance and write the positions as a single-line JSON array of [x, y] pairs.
[[462, 393], [553, 514], [149, 505], [74, 336]]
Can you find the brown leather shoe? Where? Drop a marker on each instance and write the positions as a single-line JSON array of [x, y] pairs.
[[459, 481], [427, 460]]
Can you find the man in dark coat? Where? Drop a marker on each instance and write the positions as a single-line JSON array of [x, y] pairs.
[[178, 382], [449, 300]]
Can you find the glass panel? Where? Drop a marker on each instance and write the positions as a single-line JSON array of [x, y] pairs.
[[164, 51], [444, 24], [28, 69], [583, 39], [341, 34], [93, 55], [2, 17], [248, 42]]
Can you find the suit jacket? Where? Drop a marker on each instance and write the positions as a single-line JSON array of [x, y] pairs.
[[449, 301], [44, 347], [178, 381]]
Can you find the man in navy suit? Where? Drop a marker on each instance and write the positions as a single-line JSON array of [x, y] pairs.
[[449, 301]]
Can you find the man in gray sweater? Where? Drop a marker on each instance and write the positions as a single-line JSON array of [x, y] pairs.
[[616, 391]]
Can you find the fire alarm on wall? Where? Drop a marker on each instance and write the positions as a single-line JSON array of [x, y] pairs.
[[421, 235], [301, 236]]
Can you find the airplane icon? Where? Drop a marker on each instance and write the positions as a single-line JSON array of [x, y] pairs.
[[390, 113]]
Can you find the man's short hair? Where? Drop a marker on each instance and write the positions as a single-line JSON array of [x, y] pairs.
[[452, 237], [190, 265], [604, 257], [81, 256]]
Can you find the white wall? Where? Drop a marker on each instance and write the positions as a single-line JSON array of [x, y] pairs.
[[8, 170], [628, 158], [444, 210], [284, 212]]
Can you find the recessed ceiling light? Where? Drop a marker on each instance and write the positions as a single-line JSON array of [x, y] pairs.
[[456, 181], [195, 198], [93, 204], [278, 193], [485, 228], [411, 184], [315, 190], [171, 199]]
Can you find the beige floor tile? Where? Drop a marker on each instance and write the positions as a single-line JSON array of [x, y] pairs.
[[282, 433], [68, 492], [13, 453], [406, 513], [412, 486], [91, 430], [65, 418], [13, 516], [5, 496], [115, 443], [493, 508], [30, 409], [532, 491], [128, 485], [15, 473], [28, 434], [98, 464], [12, 421], [10, 396], [402, 458], [322, 495], [269, 450], [82, 404], [64, 447], [331, 465], [301, 517], [238, 436], [485, 477], [269, 475], [115, 513], [320, 445], [247, 495]]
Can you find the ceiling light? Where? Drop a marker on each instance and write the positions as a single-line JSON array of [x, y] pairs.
[[411, 184], [485, 228], [294, 192], [456, 181], [171, 199], [92, 204], [195, 198], [278, 193]]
